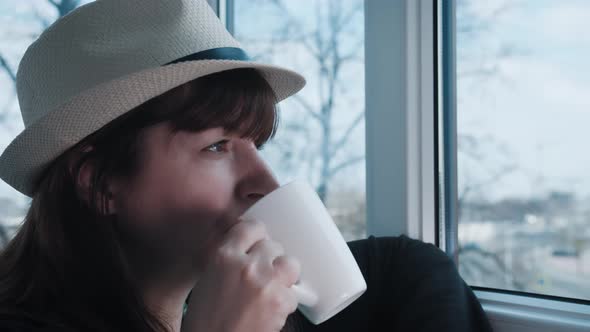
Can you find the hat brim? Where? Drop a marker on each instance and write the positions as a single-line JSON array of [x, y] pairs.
[[40, 143]]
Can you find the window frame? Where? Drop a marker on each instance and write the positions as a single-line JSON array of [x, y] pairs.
[[508, 310], [408, 195], [405, 191], [400, 98], [528, 313]]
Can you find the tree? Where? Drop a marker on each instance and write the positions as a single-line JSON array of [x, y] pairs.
[[474, 153], [474, 150], [483, 160], [331, 47]]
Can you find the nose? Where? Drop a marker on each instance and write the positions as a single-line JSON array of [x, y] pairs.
[[256, 179]]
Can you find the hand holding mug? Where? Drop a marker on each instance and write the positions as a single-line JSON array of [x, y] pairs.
[[246, 285]]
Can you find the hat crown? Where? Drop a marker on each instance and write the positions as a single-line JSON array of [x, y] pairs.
[[108, 39]]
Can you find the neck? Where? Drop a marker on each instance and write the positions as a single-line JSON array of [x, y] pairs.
[[165, 288], [165, 296], [166, 300]]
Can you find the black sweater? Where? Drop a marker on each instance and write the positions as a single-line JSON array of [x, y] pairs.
[[411, 286]]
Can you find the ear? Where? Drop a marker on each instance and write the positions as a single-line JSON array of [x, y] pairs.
[[83, 181]]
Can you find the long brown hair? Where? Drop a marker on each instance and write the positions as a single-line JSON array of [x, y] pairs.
[[66, 265]]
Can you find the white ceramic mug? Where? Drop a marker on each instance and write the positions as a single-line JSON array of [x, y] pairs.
[[330, 278]]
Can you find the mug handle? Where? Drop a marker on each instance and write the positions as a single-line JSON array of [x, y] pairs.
[[304, 294]]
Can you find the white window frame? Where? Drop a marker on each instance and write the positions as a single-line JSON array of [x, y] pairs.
[[399, 121], [400, 92], [401, 99], [400, 153], [521, 313]]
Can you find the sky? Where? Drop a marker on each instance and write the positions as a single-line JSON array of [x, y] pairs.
[[530, 115], [533, 112]]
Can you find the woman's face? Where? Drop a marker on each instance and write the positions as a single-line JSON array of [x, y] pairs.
[[189, 190]]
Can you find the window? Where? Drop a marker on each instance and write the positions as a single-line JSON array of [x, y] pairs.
[[321, 136], [522, 117]]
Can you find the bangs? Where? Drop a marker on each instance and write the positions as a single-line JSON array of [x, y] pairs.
[[241, 101]]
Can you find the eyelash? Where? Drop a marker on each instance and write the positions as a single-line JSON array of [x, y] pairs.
[[222, 142]]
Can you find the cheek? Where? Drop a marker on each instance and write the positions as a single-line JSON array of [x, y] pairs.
[[178, 215], [212, 192], [204, 193]]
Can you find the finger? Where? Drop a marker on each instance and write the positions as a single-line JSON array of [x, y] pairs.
[[291, 300], [265, 251], [243, 235], [287, 303], [287, 270], [284, 302], [262, 254]]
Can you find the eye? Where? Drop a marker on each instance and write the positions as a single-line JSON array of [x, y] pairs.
[[218, 147]]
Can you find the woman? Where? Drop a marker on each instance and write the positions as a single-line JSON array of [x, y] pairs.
[[143, 120]]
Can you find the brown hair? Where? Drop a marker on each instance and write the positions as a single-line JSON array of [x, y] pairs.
[[66, 265]]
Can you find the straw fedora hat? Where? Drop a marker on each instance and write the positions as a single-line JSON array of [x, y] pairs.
[[107, 57]]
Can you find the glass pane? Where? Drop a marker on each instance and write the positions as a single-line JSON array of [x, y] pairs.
[[21, 22], [523, 115], [321, 135]]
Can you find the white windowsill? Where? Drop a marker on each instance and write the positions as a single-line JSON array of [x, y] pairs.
[[523, 313]]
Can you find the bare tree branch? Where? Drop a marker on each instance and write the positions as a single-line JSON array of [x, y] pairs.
[[44, 21], [493, 178], [307, 107], [346, 19], [7, 68], [5, 112], [297, 26], [354, 53], [344, 138], [345, 164], [496, 259], [324, 44], [467, 189], [65, 6]]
